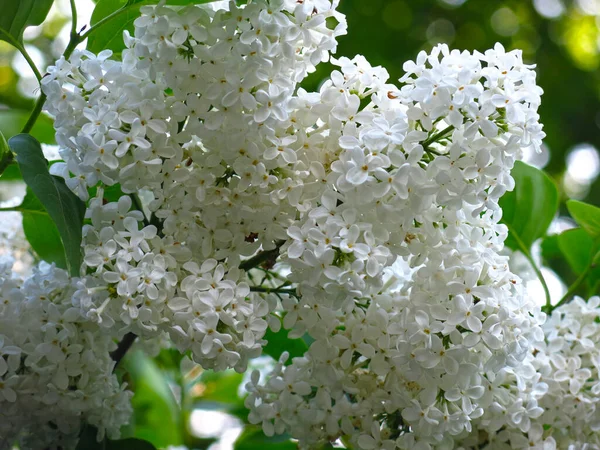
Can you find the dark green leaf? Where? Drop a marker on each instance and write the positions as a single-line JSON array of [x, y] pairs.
[[65, 209], [578, 248], [530, 207], [221, 387], [18, 14], [6, 155], [279, 342], [40, 231], [110, 35], [87, 441], [220, 392], [12, 122], [44, 238], [580, 251], [169, 359], [587, 216], [197, 443], [550, 248], [156, 417], [253, 438]]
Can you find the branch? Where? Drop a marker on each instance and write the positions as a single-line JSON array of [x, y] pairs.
[[274, 290], [122, 348], [262, 257]]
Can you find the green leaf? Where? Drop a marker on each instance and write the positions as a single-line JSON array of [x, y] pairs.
[[156, 417], [13, 121], [64, 208], [110, 35], [87, 441], [550, 247], [40, 231], [19, 14], [580, 251], [169, 359], [6, 155], [528, 210], [279, 342], [44, 238], [253, 438], [578, 248], [221, 387], [587, 216]]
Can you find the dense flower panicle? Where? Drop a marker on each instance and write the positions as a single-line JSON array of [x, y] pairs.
[[198, 115], [374, 205], [409, 354], [566, 387], [55, 367]]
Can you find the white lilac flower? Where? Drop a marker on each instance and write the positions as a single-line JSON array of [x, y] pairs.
[[52, 359], [550, 402], [381, 201]]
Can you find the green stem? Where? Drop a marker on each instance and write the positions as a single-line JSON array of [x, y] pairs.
[[73, 18], [434, 137], [433, 152], [37, 109], [523, 248]]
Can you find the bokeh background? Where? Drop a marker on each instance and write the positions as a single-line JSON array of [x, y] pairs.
[[178, 404]]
